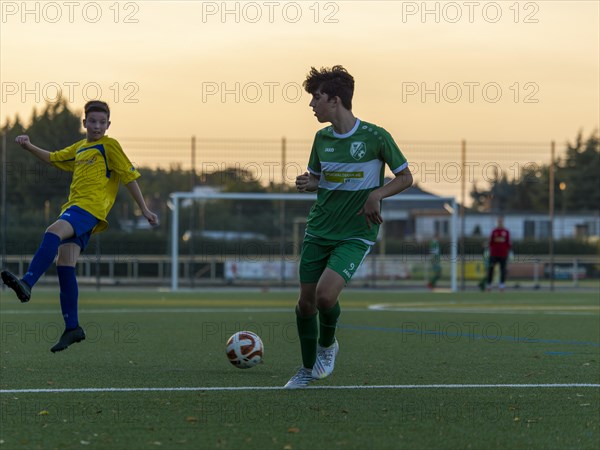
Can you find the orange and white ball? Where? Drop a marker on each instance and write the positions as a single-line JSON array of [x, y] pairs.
[[244, 349]]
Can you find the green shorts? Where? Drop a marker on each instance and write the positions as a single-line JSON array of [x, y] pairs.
[[343, 257]]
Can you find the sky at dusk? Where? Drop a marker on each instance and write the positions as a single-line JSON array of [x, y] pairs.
[[515, 71], [424, 70]]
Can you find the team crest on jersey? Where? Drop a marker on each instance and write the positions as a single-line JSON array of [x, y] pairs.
[[88, 161], [358, 150]]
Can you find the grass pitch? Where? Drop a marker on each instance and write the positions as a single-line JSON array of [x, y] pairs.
[[415, 370]]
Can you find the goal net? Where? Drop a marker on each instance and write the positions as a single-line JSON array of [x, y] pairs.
[[254, 239]]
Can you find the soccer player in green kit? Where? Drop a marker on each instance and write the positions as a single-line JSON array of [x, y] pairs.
[[346, 168]]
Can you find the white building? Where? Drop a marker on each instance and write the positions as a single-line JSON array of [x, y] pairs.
[[422, 220]]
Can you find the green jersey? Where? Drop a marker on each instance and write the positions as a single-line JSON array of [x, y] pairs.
[[350, 166]]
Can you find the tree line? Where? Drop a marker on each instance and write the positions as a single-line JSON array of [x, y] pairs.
[[576, 183], [36, 191]]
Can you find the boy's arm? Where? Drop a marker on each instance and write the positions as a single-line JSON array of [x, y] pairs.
[[402, 181], [39, 153], [136, 193], [372, 207]]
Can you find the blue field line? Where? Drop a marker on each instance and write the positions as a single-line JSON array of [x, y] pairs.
[[490, 338]]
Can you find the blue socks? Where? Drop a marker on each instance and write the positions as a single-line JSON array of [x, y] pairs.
[[69, 294], [69, 291], [42, 259]]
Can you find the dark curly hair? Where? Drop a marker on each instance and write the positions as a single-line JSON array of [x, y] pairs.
[[335, 81]]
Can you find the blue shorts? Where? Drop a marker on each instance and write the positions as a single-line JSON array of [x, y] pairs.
[[82, 222]]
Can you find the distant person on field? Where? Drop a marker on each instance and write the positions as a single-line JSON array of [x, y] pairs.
[[434, 262], [346, 169], [486, 264], [99, 165], [499, 248]]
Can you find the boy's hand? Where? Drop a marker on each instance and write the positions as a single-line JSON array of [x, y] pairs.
[[152, 218], [23, 140], [304, 183], [372, 210]]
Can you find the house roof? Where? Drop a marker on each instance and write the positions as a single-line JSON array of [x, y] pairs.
[[418, 204]]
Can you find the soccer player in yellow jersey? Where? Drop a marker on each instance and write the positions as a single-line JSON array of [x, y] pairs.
[[99, 165]]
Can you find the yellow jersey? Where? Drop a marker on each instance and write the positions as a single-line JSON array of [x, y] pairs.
[[98, 167]]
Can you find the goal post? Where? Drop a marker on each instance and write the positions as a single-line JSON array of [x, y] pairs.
[[243, 198]]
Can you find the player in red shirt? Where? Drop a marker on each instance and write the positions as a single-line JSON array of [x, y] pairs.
[[499, 247]]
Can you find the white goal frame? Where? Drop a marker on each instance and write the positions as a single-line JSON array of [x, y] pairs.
[[176, 197]]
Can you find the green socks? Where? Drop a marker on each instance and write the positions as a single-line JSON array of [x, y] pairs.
[[308, 331], [327, 323]]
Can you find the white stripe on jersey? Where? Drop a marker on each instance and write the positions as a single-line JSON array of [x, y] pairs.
[[397, 170]]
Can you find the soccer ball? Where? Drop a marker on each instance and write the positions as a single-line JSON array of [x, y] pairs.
[[244, 349]]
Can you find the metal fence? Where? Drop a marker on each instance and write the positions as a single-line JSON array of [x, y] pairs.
[[385, 272], [440, 167]]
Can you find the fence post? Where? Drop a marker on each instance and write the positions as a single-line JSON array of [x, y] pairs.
[[4, 224], [97, 264], [551, 214], [282, 212], [463, 153], [192, 223]]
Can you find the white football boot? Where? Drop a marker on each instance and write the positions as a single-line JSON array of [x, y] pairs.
[[325, 360], [300, 379]]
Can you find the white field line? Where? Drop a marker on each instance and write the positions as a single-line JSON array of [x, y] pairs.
[[277, 388], [159, 310], [551, 310], [567, 311]]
